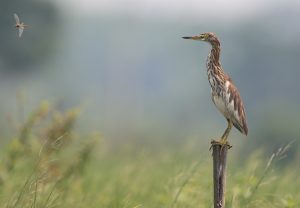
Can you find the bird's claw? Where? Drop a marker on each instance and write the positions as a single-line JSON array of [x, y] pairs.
[[222, 143]]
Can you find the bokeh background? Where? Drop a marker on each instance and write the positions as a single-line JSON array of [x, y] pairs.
[[125, 65]]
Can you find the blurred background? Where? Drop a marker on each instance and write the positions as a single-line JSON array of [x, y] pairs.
[[103, 104], [125, 64]]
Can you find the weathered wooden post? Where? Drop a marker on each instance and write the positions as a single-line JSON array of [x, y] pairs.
[[219, 154]]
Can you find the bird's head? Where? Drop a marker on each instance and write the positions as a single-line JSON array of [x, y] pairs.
[[207, 37]]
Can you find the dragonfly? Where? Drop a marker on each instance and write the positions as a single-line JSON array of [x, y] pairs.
[[20, 25]]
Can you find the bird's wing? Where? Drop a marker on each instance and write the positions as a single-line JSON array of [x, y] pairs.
[[235, 107], [16, 18], [20, 31]]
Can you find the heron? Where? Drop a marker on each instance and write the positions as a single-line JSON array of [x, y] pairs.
[[224, 93]]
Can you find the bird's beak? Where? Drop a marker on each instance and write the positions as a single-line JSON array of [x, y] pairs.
[[193, 37]]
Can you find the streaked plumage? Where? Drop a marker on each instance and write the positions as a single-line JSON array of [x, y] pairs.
[[20, 25], [225, 95]]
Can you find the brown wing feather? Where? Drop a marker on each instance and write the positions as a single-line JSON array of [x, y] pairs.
[[236, 108]]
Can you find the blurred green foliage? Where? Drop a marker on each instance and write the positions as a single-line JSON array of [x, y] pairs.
[[53, 166]]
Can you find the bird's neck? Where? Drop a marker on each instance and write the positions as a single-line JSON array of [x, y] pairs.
[[214, 55], [213, 59], [214, 69]]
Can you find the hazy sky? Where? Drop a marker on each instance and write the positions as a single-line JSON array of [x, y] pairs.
[[228, 9]]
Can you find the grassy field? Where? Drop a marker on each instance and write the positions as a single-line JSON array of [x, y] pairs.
[[49, 165]]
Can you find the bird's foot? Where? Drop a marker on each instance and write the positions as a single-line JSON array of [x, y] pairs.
[[222, 142]]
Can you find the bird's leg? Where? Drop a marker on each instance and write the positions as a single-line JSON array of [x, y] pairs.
[[223, 141], [227, 131]]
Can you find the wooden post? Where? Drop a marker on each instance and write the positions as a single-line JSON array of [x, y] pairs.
[[219, 173]]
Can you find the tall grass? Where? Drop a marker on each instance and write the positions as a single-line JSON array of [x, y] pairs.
[[48, 164]]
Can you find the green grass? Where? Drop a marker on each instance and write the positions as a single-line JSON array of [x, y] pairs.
[[49, 165]]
